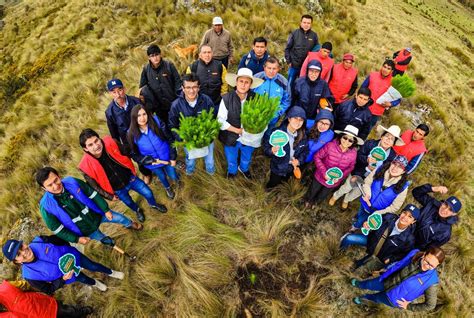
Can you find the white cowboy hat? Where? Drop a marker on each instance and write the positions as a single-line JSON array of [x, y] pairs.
[[351, 131], [231, 78], [392, 130]]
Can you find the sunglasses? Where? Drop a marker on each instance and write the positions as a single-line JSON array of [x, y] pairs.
[[349, 139]]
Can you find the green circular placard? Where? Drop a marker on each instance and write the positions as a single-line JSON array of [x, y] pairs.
[[279, 138], [334, 175]]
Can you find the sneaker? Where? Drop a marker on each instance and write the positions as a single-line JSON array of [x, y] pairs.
[[354, 282], [160, 207], [86, 310], [345, 205], [100, 286], [136, 226], [357, 300], [117, 274], [332, 201], [180, 165], [140, 215], [343, 237], [231, 175], [246, 174], [170, 193]]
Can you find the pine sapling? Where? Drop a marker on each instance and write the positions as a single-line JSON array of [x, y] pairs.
[[197, 132], [258, 112], [404, 85]]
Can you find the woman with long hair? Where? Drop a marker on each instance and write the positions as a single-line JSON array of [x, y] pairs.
[[151, 146]]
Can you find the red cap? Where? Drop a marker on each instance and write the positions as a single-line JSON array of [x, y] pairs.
[[348, 56]]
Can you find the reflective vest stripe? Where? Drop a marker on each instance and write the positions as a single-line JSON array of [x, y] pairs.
[[59, 229]]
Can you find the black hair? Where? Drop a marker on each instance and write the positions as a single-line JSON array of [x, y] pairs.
[[86, 134], [306, 16], [134, 130], [260, 39], [200, 48], [43, 174], [191, 77], [425, 128], [390, 63], [353, 145], [364, 91], [380, 173], [272, 60]]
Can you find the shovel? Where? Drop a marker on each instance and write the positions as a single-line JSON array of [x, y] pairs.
[[110, 242]]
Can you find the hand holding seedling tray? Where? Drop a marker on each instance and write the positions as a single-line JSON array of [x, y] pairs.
[[374, 221]]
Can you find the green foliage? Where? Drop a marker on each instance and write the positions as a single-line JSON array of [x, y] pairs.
[[258, 111], [197, 132], [404, 85]]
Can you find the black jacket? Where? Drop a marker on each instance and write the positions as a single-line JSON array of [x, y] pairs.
[[298, 45], [118, 119], [210, 78], [364, 152], [348, 113]]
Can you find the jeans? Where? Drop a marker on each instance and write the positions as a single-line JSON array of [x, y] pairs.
[[232, 154], [354, 239], [208, 162], [166, 170], [372, 284], [136, 184], [362, 216], [93, 267], [379, 298], [293, 74], [116, 218]]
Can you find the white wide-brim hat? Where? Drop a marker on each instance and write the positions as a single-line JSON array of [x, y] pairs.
[[351, 131], [231, 78], [393, 130]]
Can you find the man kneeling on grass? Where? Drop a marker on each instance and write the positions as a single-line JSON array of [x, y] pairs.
[[41, 260]]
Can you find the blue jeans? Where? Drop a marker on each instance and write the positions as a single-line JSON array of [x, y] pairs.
[[379, 298], [163, 171], [136, 184], [208, 162], [293, 74], [116, 218], [232, 154], [354, 239], [362, 216], [372, 284], [93, 267]]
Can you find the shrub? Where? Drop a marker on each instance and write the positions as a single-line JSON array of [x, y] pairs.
[[258, 112], [197, 132]]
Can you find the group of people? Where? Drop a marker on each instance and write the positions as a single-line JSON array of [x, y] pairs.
[[326, 119]]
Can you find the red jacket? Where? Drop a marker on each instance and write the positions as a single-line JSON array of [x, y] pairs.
[[331, 156], [341, 81], [378, 85], [327, 64], [21, 304], [411, 148], [91, 166]]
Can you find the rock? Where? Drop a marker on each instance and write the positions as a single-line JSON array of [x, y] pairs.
[[26, 229]]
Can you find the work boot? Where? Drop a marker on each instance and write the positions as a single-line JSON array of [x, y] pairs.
[[246, 174], [117, 274], [170, 193], [140, 215], [332, 201], [136, 226], [231, 175], [100, 286], [160, 207], [85, 311]]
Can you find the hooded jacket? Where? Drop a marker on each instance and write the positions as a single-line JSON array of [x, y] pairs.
[[315, 144], [327, 64], [349, 113], [307, 93], [251, 61], [280, 165], [431, 229]]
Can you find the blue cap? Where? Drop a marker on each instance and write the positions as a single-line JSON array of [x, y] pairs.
[[401, 160], [113, 83], [454, 204], [296, 111], [10, 249], [415, 212]]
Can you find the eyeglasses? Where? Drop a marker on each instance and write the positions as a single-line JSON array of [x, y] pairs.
[[191, 88], [322, 123], [430, 266], [349, 139]]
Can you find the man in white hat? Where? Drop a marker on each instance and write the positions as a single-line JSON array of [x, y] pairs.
[[220, 41], [230, 109]]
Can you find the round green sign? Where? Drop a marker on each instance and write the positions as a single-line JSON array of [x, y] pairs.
[[374, 221], [67, 262], [378, 154], [334, 175], [279, 138]]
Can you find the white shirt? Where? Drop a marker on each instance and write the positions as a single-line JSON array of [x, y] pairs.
[[223, 113]]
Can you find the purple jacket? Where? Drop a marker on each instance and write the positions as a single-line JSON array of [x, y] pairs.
[[330, 156]]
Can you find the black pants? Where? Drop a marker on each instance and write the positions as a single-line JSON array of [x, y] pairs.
[[317, 192], [276, 180], [68, 311]]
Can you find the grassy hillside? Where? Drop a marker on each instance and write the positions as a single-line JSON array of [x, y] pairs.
[[196, 261]]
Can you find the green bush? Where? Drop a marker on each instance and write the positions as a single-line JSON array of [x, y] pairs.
[[258, 112], [199, 131], [404, 85]]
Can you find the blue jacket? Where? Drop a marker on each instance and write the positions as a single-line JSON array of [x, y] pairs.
[[152, 145], [396, 246], [324, 137], [51, 205], [251, 61], [181, 106], [431, 229], [348, 113], [45, 266], [275, 87], [362, 155], [412, 287], [281, 165], [380, 198], [118, 119], [307, 93]]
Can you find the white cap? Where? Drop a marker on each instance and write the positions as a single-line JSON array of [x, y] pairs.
[[217, 20]]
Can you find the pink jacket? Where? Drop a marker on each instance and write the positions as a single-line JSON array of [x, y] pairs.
[[330, 156]]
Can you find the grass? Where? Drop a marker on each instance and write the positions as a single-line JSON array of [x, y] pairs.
[[53, 79]]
